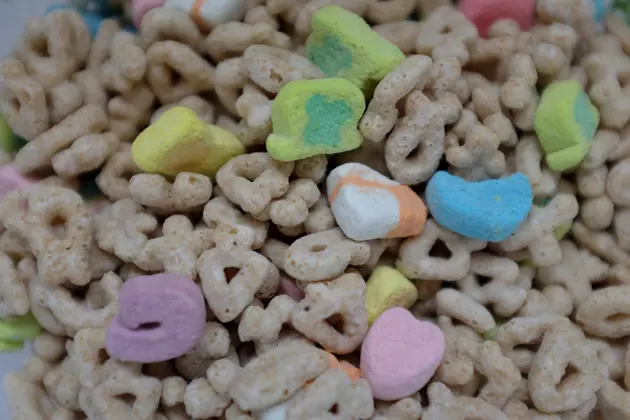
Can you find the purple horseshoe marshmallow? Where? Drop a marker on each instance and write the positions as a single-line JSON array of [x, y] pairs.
[[161, 317]]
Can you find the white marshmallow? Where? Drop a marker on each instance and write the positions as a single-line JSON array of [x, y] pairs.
[[211, 12], [363, 212]]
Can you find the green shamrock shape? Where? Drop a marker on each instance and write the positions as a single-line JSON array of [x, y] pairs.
[[325, 120], [331, 56]]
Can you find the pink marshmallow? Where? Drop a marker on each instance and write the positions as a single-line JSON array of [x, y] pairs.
[[11, 179], [400, 354], [483, 13], [289, 288], [139, 8], [161, 317]]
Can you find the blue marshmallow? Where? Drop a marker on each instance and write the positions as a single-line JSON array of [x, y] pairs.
[[487, 210]]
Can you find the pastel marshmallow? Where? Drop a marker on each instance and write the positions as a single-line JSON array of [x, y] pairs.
[[139, 8], [180, 142], [489, 210], [367, 205], [210, 13], [162, 316], [315, 117], [621, 8], [289, 287], [343, 45], [352, 371], [400, 354], [600, 7], [483, 13], [11, 346], [387, 288], [19, 328], [12, 179], [565, 123], [9, 142]]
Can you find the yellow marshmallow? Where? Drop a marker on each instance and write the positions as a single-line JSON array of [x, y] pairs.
[[180, 142], [386, 289]]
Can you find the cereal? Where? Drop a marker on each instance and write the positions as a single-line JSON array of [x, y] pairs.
[[341, 44], [186, 144], [387, 288], [567, 136], [182, 150], [314, 117], [140, 8], [367, 205], [483, 13], [156, 326], [396, 372], [491, 211]]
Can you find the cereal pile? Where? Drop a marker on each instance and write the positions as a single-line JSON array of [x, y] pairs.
[[317, 209]]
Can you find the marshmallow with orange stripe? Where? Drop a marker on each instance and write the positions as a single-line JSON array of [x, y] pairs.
[[368, 205], [210, 13]]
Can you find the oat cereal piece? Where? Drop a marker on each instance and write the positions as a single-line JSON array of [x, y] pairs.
[[76, 315], [600, 243], [552, 300], [577, 272], [415, 262], [381, 114], [463, 308], [253, 180], [323, 255], [176, 251], [613, 401], [67, 42], [14, 299], [528, 160], [167, 57], [106, 398], [86, 154], [113, 179], [163, 24], [516, 336], [272, 67], [500, 288], [536, 232], [37, 154], [443, 404], [603, 313], [333, 314], [58, 260], [188, 193], [213, 345], [545, 375], [228, 298], [231, 39], [131, 111], [402, 34], [264, 325], [126, 65], [422, 126], [276, 375], [293, 208], [333, 388], [124, 228], [444, 24], [233, 229]]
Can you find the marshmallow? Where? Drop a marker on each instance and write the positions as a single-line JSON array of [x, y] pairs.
[[368, 205]]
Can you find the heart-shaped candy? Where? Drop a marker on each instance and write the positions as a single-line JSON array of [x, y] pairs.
[[400, 354], [487, 210]]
